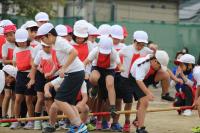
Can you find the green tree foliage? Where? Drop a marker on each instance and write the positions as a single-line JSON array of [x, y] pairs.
[[29, 8]]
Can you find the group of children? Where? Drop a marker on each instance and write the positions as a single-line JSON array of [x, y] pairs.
[[49, 70]]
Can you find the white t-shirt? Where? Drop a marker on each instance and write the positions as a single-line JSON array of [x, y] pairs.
[[18, 49], [114, 59], [58, 81], [196, 75], [127, 53], [119, 46], [41, 55], [63, 49], [36, 49], [139, 72], [5, 48], [91, 45]]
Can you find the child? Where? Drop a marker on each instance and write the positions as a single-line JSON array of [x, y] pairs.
[[2, 41], [104, 60], [22, 59], [81, 100], [145, 71], [8, 47], [42, 71], [130, 54], [62, 31], [8, 74], [41, 18], [72, 70], [117, 35], [186, 64]]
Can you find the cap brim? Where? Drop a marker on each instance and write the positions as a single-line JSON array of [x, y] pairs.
[[21, 40], [103, 51], [80, 35], [140, 40], [118, 37], [2, 79], [177, 62]]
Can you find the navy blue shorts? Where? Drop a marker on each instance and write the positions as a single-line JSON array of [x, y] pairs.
[[40, 82], [102, 91], [70, 87], [21, 84]]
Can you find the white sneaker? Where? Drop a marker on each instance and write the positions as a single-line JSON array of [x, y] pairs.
[[187, 112], [44, 124], [29, 125], [37, 125], [15, 125]]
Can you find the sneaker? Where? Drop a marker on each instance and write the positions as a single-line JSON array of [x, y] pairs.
[[116, 127], [93, 120], [91, 127], [141, 130], [37, 125], [5, 124], [49, 129], [187, 112], [167, 97], [127, 127], [105, 125], [45, 124], [81, 129], [98, 125], [15, 125], [29, 125]]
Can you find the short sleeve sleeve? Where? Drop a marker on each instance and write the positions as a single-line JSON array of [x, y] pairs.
[[92, 54]]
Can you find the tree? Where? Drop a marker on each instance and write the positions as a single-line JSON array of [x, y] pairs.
[[29, 8]]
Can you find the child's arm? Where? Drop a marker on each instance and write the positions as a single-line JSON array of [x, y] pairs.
[[32, 75], [173, 77], [53, 71], [5, 61]]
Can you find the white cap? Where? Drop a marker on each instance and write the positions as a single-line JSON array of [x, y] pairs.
[[23, 26], [163, 58], [21, 35], [140, 36], [6, 22], [61, 30], [44, 29], [81, 30], [104, 29], [2, 79], [31, 23], [41, 16], [11, 70], [105, 45], [116, 31], [196, 75], [81, 22], [92, 30], [44, 44], [186, 58]]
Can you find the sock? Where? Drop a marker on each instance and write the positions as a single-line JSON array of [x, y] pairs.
[[37, 114], [45, 113]]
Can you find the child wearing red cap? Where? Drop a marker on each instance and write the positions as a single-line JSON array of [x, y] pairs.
[[8, 47]]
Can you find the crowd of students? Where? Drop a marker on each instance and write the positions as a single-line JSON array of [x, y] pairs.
[[49, 70]]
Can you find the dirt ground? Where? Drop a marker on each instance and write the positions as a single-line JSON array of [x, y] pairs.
[[159, 122]]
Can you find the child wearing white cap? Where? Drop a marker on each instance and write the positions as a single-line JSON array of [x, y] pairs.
[[116, 32], [62, 31], [8, 47], [43, 70], [2, 41], [104, 60], [7, 78], [41, 18], [22, 58], [144, 72], [72, 70]]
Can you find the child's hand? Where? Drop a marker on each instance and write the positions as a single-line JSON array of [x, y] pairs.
[[150, 96], [47, 75], [180, 81], [121, 68], [30, 83], [47, 94], [62, 73]]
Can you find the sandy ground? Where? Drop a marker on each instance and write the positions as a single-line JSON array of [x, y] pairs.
[[159, 122]]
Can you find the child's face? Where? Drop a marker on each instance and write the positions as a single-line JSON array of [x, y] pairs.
[[10, 37], [116, 41], [79, 40], [47, 49], [22, 44], [48, 40], [9, 80], [139, 45], [32, 34], [41, 23], [155, 64], [69, 38], [92, 38]]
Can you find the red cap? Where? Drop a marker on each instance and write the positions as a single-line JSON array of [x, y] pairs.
[[125, 31], [69, 29], [10, 28]]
